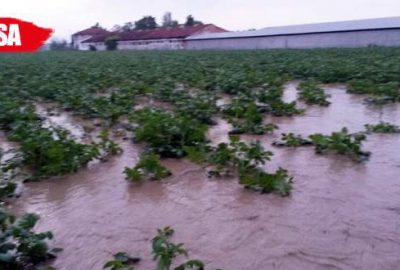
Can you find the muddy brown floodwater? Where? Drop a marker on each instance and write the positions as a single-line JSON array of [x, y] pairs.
[[341, 215]]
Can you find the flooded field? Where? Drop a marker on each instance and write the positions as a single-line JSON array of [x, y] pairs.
[[340, 215]]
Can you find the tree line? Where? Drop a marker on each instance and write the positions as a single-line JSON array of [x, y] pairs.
[[150, 22]]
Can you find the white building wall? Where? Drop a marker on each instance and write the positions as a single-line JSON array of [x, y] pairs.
[[78, 44], [154, 44], [387, 37]]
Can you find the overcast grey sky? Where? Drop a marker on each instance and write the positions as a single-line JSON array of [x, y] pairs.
[[69, 16]]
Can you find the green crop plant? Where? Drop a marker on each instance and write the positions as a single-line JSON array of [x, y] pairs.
[[279, 182], [280, 108], [312, 93], [200, 107], [250, 122], [164, 253], [20, 247], [198, 153], [243, 127], [10, 172], [166, 133], [382, 127], [379, 93], [238, 107], [270, 93], [341, 142], [243, 159], [121, 261], [49, 151], [148, 167], [292, 140], [249, 155], [107, 146], [223, 158]]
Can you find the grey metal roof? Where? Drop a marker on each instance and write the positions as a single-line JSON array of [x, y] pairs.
[[366, 24]]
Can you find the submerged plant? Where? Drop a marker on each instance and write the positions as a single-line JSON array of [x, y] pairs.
[[20, 247], [279, 182], [341, 142], [148, 167], [311, 93], [121, 261], [198, 153], [382, 127], [164, 254], [379, 93], [223, 159], [47, 151], [10, 170], [167, 134], [292, 140], [280, 108], [107, 146]]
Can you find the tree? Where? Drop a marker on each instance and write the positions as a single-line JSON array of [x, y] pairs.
[[59, 45], [116, 28], [147, 22], [97, 25], [167, 19], [168, 22], [128, 26], [190, 21], [111, 43]]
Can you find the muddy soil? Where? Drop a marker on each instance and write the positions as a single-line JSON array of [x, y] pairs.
[[341, 214]]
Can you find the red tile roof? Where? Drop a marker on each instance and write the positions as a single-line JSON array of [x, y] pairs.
[[92, 31], [159, 33]]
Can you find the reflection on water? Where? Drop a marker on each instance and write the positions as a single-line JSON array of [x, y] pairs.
[[341, 215]]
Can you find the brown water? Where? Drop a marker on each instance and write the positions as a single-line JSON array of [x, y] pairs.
[[78, 127], [341, 215], [4, 143]]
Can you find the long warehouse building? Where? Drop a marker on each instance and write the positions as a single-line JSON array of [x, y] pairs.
[[345, 34]]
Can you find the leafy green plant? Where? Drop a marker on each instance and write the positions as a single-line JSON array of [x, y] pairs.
[[240, 106], [48, 151], [342, 143], [311, 93], [246, 117], [198, 153], [382, 127], [20, 247], [107, 146], [121, 261], [148, 167], [164, 253], [201, 107], [10, 169], [280, 108], [379, 93], [223, 158], [279, 182], [167, 134], [292, 140]]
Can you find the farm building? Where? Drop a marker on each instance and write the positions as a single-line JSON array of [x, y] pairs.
[[161, 38], [81, 36], [358, 33]]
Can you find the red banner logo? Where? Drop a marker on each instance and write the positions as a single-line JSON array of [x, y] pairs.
[[21, 36]]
